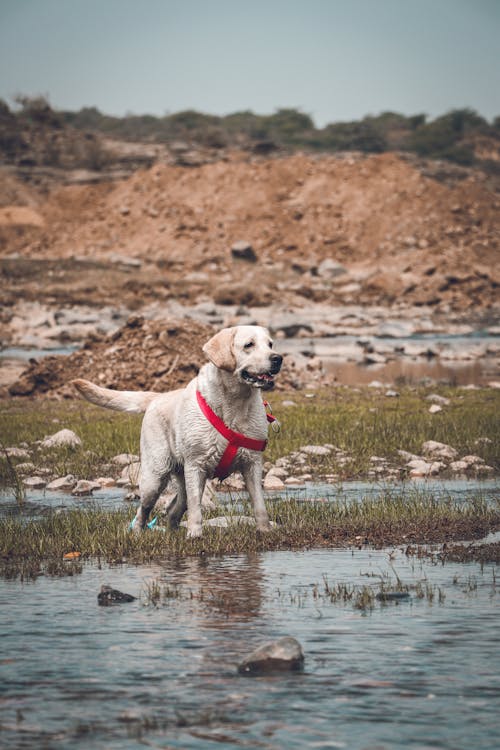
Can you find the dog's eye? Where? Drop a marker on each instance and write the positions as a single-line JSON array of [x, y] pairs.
[[248, 345], [270, 344]]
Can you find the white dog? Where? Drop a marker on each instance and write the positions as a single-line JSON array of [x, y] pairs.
[[213, 427]]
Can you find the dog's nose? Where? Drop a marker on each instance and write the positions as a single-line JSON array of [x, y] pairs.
[[276, 361]]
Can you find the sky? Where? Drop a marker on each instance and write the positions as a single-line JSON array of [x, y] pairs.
[[332, 59]]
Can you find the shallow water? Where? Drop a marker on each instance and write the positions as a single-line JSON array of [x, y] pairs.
[[417, 674], [41, 502]]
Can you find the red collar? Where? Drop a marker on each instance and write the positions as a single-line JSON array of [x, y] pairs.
[[235, 439]]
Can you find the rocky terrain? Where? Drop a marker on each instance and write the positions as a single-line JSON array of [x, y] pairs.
[[364, 240]]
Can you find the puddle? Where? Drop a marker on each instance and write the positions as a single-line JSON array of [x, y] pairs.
[[418, 673]]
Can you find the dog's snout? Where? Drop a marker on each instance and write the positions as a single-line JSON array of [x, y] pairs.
[[276, 362]]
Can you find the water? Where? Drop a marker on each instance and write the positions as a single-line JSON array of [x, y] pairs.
[[417, 674], [42, 502]]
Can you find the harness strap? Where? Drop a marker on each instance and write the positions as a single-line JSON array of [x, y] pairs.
[[235, 439]]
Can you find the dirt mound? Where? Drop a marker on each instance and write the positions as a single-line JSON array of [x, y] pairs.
[[143, 355], [400, 235]]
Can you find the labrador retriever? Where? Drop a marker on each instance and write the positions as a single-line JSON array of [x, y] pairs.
[[214, 426]]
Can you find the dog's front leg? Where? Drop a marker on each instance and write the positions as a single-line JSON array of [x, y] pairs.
[[252, 474], [195, 480]]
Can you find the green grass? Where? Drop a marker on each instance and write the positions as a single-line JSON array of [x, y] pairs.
[[362, 423], [28, 546]]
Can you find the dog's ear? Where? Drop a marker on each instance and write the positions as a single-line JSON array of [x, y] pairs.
[[219, 349]]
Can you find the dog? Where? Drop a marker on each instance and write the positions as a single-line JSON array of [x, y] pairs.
[[214, 426]]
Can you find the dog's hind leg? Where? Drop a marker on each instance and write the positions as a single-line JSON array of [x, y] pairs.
[[151, 486], [179, 506]]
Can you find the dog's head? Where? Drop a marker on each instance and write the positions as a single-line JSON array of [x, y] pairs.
[[247, 352]]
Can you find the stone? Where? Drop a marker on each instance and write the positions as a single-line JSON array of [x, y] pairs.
[[273, 483], [243, 251], [34, 483], [294, 481], [83, 487], [15, 452], [25, 468], [330, 269], [458, 467], [62, 484], [124, 459], [315, 450], [435, 409], [421, 468], [437, 399], [105, 481], [132, 473], [440, 450], [63, 438], [283, 655], [277, 471], [109, 596], [392, 394]]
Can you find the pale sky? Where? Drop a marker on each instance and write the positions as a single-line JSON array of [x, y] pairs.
[[333, 59]]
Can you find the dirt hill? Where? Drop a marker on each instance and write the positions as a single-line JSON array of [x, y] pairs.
[[396, 231]]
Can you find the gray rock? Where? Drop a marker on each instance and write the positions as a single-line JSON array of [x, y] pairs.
[[315, 450], [15, 452], [283, 655], [34, 483], [437, 399], [108, 596], [435, 409], [132, 473], [63, 483], [83, 487], [124, 459], [439, 450], [272, 483], [63, 438], [330, 269], [243, 251]]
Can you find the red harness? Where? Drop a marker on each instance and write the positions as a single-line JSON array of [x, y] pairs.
[[235, 439]]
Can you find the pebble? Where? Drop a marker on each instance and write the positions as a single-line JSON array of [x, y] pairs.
[[441, 450], [315, 450], [63, 483], [34, 483], [63, 438], [435, 409], [84, 487], [124, 459], [283, 655]]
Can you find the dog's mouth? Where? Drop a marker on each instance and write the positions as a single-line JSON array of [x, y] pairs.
[[264, 380]]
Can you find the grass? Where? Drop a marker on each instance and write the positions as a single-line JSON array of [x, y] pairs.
[[362, 423], [28, 547]]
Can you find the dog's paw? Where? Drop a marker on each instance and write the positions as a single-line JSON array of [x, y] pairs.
[[194, 532]]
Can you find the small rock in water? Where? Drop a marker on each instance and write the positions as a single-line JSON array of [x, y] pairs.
[[63, 483], [34, 483], [283, 655], [84, 487], [63, 438], [108, 596]]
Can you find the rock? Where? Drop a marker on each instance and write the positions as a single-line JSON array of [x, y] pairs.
[[437, 399], [108, 596], [132, 473], [458, 467], [243, 251], [283, 655], [83, 487], [473, 460], [15, 452], [277, 471], [392, 394], [330, 269], [63, 438], [34, 483], [63, 483], [294, 481], [273, 483], [435, 409], [315, 450], [25, 468], [105, 482], [287, 403], [421, 468], [439, 450], [124, 459]]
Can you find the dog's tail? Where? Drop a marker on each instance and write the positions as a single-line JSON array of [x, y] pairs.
[[134, 402]]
